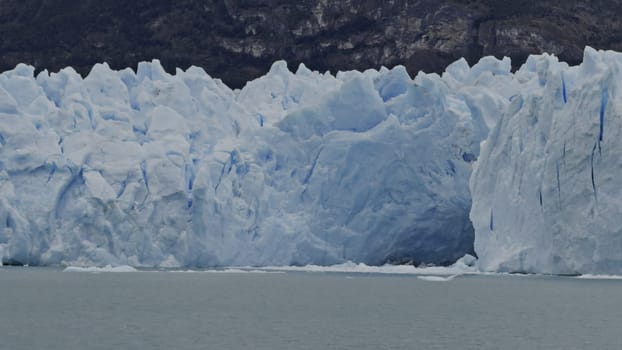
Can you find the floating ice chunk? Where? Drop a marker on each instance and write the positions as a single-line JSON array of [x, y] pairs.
[[437, 278]]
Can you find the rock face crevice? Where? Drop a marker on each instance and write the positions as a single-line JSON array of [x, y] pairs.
[[237, 40]]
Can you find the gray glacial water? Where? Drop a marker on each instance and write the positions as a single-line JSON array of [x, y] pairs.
[[49, 309]]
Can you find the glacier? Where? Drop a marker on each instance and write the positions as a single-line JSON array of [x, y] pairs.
[[150, 169], [546, 189], [147, 168]]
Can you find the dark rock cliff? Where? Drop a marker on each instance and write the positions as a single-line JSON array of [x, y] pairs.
[[237, 40]]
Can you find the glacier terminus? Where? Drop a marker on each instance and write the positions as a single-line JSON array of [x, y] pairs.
[[151, 169]]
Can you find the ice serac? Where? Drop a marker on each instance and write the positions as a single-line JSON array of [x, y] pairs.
[[547, 189], [150, 169]]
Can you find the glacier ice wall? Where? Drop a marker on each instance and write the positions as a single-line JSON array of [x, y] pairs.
[[547, 191], [150, 169]]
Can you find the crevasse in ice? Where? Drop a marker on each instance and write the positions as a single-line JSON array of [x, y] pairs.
[[150, 169]]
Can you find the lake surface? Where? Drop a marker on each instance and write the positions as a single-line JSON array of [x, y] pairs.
[[50, 309]]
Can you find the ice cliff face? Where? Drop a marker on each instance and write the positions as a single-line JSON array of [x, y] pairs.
[[152, 169], [546, 189]]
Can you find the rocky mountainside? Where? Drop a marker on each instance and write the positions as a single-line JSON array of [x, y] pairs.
[[237, 40]]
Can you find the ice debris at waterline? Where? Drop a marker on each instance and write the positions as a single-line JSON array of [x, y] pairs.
[[547, 188], [95, 269], [466, 265], [437, 278], [152, 169]]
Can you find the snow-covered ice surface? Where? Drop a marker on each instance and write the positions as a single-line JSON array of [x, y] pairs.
[[156, 170], [547, 190]]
